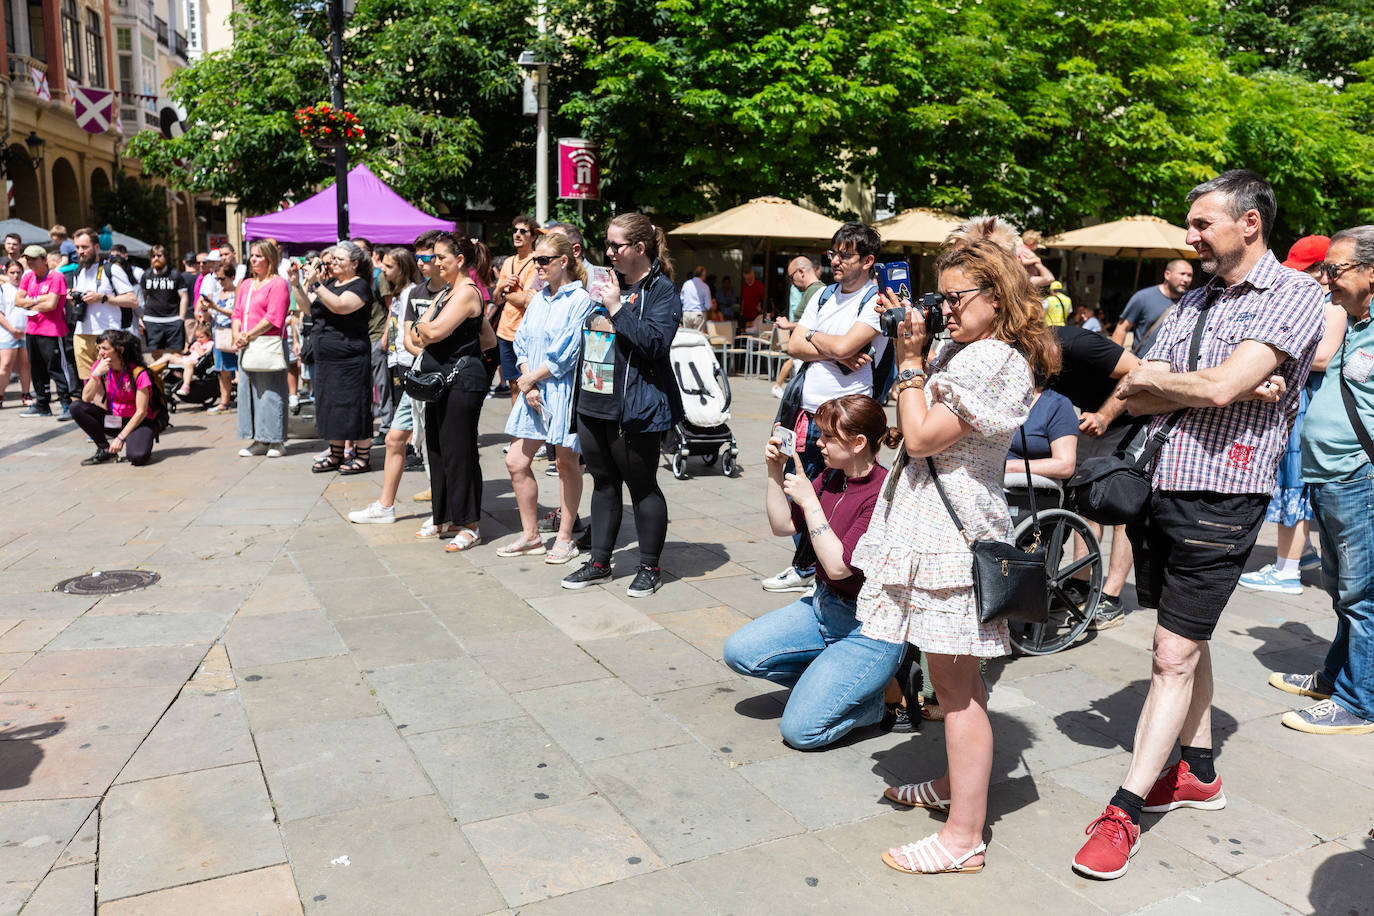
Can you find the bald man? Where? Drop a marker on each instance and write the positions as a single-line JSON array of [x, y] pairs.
[[802, 273]]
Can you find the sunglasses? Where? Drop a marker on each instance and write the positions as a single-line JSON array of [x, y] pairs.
[[520, 230], [614, 247], [840, 255], [424, 258], [544, 260], [1336, 271], [954, 298]]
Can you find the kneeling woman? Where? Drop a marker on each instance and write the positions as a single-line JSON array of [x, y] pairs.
[[813, 645], [124, 384]]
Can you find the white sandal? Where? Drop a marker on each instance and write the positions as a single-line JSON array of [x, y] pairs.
[[465, 539], [930, 857], [917, 795], [522, 548]]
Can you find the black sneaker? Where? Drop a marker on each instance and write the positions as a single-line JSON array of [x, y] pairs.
[[648, 580], [897, 719], [590, 574], [100, 457], [551, 470], [1077, 590], [413, 460], [1109, 613]]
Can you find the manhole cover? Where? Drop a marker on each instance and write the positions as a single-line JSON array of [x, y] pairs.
[[107, 582]]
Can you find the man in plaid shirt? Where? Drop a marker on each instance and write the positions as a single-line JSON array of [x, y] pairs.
[[1260, 324]]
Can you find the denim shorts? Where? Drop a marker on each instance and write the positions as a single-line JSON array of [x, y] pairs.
[[226, 361], [510, 370], [404, 417], [11, 345]]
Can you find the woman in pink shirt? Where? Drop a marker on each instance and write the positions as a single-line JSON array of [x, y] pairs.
[[260, 311], [127, 421]]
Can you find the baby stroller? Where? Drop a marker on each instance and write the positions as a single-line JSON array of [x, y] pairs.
[[204, 384], [704, 429]]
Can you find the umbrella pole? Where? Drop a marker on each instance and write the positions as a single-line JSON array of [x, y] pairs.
[[1138, 259], [767, 273]]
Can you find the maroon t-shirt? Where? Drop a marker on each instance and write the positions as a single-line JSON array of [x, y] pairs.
[[848, 504]]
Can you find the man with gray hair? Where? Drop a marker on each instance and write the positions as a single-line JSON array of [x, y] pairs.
[[1336, 465], [1221, 382], [807, 283]]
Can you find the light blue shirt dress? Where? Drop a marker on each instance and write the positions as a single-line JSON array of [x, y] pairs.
[[550, 335]]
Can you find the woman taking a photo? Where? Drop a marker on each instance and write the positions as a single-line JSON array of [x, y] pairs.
[[452, 333], [919, 569], [546, 348], [626, 398], [342, 373], [121, 381], [260, 313], [813, 645]]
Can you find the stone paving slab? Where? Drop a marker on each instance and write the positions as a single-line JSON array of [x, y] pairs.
[[64, 892], [656, 662], [432, 695], [602, 718], [304, 692], [272, 639], [272, 892], [198, 731]]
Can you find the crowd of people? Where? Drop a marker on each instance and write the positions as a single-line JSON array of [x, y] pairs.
[[1257, 383]]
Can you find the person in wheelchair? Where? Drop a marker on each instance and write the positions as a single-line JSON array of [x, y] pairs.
[[1051, 446]]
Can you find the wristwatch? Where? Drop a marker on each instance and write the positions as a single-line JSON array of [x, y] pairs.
[[910, 378], [810, 334]]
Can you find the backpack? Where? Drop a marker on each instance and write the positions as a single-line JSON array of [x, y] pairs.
[[157, 401], [885, 369]]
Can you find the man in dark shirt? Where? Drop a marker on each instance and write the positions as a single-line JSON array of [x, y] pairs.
[[1145, 311], [164, 305], [1092, 364]]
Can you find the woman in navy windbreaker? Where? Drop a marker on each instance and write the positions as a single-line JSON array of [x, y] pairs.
[[626, 399]]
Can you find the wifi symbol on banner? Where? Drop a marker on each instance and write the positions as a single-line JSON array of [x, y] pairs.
[[584, 161]]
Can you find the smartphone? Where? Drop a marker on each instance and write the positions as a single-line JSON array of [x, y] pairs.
[[788, 444], [895, 276]]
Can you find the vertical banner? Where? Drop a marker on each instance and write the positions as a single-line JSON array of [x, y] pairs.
[[579, 169]]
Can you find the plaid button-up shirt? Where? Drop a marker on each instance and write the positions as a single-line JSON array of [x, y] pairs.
[[1236, 449]]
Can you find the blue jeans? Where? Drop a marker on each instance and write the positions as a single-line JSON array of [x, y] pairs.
[[1342, 512], [813, 646]]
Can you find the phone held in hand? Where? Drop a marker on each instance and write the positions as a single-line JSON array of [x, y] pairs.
[[895, 276], [787, 440], [598, 278]]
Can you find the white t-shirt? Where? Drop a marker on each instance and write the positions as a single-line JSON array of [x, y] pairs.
[[102, 278], [696, 295], [824, 379], [17, 317]]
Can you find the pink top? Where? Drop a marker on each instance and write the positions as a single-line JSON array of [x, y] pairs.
[[46, 324], [120, 394], [270, 300]]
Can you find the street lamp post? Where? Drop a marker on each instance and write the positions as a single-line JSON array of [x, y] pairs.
[[533, 62], [339, 11]]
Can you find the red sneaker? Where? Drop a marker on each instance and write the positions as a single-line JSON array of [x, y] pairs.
[[1177, 787], [1113, 839]]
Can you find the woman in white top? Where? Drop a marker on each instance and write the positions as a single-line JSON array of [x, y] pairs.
[[13, 322]]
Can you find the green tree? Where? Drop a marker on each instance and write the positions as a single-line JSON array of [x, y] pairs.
[[433, 84], [1316, 39], [135, 207]]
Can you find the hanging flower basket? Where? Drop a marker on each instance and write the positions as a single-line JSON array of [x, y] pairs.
[[327, 127]]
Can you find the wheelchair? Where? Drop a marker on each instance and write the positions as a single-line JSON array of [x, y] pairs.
[[1068, 617]]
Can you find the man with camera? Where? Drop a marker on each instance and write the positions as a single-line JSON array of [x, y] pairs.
[[101, 293], [838, 342]]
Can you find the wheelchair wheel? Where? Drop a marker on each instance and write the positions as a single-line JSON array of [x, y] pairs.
[[1067, 619]]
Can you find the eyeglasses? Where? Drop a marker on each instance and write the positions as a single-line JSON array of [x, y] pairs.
[[520, 230], [544, 260], [954, 298], [424, 258], [1336, 271], [840, 255], [614, 247]]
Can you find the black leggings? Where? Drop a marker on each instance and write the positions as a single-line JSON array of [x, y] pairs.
[[615, 458], [50, 359], [455, 476], [138, 447]]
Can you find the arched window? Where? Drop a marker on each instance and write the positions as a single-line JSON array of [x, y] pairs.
[[71, 39]]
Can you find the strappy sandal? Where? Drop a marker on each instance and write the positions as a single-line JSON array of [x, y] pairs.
[[917, 795], [465, 539], [331, 460], [930, 857], [522, 548], [430, 530], [357, 465]]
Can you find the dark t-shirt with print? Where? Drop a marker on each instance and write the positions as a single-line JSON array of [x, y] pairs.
[[161, 294]]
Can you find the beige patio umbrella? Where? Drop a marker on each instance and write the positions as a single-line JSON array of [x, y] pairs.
[[920, 228], [766, 220], [1135, 236]]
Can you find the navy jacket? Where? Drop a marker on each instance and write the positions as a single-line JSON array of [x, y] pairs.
[[644, 330]]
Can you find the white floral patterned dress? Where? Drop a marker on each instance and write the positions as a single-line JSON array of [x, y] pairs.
[[918, 569]]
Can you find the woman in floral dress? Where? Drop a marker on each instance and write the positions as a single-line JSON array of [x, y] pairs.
[[918, 567]]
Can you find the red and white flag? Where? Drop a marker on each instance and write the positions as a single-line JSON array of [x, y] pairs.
[[40, 84], [96, 109]]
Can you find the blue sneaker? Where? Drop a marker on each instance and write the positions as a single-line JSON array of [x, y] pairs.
[[1310, 560], [1265, 579], [66, 414], [33, 411], [1327, 718]]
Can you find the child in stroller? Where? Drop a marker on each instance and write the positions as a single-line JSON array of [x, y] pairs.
[[193, 372]]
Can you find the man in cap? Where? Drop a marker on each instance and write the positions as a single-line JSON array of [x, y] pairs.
[[44, 292], [1058, 306]]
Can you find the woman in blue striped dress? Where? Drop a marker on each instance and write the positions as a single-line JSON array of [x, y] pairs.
[[546, 350]]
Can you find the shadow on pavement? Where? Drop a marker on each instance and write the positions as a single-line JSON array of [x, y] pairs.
[[20, 752], [1344, 883]]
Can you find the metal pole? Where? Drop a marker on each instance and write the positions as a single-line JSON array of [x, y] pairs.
[[541, 143], [336, 82]]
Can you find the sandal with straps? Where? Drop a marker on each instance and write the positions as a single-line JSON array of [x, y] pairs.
[[326, 465], [930, 857], [465, 539], [358, 465], [917, 795]]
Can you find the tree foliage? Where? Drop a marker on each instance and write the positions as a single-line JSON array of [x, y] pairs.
[[136, 207], [1051, 112]]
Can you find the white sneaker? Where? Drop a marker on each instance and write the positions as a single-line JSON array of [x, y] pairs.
[[789, 580], [375, 514], [275, 450], [293, 401], [1266, 579], [778, 391], [256, 450]]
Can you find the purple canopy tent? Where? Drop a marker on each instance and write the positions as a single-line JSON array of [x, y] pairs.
[[375, 212]]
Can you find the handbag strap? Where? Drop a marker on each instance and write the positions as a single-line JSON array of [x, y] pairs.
[[1351, 411], [954, 516]]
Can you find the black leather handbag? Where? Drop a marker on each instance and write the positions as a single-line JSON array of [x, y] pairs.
[[1114, 489], [1009, 582], [427, 386]]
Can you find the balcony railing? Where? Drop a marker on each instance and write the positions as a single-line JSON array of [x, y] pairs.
[[160, 26], [179, 46]]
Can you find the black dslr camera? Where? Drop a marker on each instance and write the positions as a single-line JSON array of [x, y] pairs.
[[895, 276], [75, 310]]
